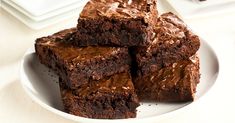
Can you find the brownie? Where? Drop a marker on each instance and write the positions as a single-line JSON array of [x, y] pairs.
[[112, 97], [77, 65], [175, 83], [116, 23], [173, 41]]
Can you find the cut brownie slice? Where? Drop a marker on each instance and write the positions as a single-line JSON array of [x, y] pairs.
[[116, 23], [78, 65], [173, 41], [109, 98], [174, 83]]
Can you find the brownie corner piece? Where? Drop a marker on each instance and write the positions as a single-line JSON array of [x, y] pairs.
[[62, 35], [116, 23], [77, 65], [174, 31], [112, 97], [175, 83], [173, 41]]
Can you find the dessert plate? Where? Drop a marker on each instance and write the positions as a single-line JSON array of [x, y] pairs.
[[41, 84], [47, 19], [188, 9], [44, 23], [34, 15], [41, 7]]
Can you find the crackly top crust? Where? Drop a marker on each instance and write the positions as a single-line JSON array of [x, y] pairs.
[[176, 82], [118, 9], [171, 31], [73, 54], [173, 41], [116, 84]]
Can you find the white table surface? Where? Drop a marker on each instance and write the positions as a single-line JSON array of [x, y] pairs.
[[218, 105]]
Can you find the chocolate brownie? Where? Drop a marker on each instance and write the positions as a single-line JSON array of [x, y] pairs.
[[116, 23], [78, 65], [173, 41], [174, 83], [111, 97]]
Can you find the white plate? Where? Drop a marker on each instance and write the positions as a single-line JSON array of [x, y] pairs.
[[190, 9], [41, 24], [53, 12], [41, 7], [42, 86]]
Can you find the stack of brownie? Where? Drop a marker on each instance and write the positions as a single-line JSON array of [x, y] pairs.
[[121, 52]]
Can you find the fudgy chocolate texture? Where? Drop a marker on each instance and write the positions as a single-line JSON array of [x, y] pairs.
[[173, 41], [77, 66], [109, 98], [174, 83], [116, 23]]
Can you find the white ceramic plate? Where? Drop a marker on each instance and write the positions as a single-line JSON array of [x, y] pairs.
[[42, 86], [44, 23], [41, 7], [191, 9], [47, 14]]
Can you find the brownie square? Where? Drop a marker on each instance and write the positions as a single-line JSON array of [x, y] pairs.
[[116, 23], [175, 83], [112, 97], [77, 65], [173, 41]]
